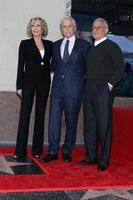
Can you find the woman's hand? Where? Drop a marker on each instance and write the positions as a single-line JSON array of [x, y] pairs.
[[19, 92], [110, 87]]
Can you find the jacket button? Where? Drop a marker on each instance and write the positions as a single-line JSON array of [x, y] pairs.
[[42, 63]]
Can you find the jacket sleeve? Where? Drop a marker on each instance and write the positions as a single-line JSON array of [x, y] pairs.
[[21, 65], [53, 61]]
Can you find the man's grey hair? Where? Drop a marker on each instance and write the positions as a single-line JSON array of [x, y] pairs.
[[68, 18], [104, 21]]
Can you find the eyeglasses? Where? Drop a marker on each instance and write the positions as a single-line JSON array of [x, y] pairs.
[[97, 27]]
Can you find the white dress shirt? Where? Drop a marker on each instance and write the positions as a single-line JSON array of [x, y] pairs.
[[99, 41], [71, 45]]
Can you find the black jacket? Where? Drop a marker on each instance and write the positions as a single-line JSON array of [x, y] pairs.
[[31, 66]]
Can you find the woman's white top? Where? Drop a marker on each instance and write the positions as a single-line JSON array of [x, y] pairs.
[[42, 52]]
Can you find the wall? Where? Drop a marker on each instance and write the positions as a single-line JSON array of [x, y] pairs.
[[14, 16]]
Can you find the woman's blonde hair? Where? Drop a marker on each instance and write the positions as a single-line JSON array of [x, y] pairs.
[[43, 23]]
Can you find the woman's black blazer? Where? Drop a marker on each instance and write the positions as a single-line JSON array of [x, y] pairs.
[[31, 66]]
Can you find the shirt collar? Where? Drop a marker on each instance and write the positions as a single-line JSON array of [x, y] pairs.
[[71, 39], [99, 41]]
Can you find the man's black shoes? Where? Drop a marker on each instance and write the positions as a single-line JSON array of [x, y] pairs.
[[50, 157], [102, 168], [87, 162], [66, 158]]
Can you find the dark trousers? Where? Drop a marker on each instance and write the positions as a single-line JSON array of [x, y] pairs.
[[98, 120], [71, 108], [41, 95]]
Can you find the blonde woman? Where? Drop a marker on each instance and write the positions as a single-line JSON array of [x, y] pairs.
[[33, 79]]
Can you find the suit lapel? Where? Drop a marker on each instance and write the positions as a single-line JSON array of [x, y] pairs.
[[74, 52], [35, 47], [59, 50], [45, 49], [75, 48], [37, 50]]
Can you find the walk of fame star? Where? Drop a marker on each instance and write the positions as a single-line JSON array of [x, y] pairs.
[[9, 166]]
